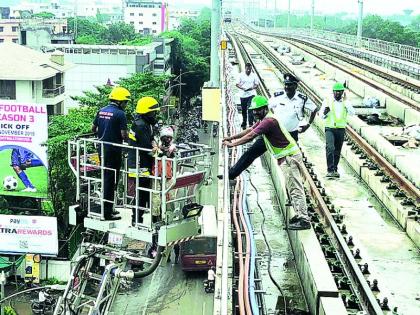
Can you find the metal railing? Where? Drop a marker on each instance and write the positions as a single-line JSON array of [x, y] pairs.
[[51, 93], [188, 172], [399, 51]]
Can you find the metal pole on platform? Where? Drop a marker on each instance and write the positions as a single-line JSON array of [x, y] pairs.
[[288, 17], [2, 294], [275, 13], [312, 15], [360, 23], [215, 38]]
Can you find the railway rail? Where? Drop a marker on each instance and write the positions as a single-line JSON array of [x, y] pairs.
[[373, 156], [413, 86], [333, 51], [357, 292]]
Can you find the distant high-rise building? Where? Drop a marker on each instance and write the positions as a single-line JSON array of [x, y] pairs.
[[147, 17]]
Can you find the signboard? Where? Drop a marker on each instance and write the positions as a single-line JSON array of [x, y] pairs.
[[212, 110], [32, 268], [21, 234], [23, 153]]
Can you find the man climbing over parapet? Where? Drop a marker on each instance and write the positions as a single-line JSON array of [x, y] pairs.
[[284, 149]]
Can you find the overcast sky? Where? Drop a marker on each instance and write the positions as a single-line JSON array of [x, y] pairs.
[[382, 7]]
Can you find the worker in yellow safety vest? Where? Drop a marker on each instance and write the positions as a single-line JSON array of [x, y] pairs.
[[335, 111], [284, 149]]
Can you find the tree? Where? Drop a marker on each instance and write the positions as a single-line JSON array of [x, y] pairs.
[[44, 15], [191, 52], [90, 32]]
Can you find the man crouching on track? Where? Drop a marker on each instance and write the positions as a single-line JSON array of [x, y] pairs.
[[284, 149]]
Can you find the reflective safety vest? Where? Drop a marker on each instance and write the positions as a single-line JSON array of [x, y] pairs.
[[278, 153], [332, 121]]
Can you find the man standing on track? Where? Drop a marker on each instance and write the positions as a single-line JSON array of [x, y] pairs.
[[248, 82], [289, 107], [284, 149], [335, 111]]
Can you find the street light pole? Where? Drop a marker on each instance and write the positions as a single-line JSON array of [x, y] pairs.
[[2, 284], [312, 15], [360, 23], [215, 38]]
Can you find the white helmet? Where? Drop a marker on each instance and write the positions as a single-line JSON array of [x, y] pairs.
[[167, 131]]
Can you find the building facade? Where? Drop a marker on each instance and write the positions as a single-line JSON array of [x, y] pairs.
[[147, 17], [96, 65], [29, 76], [175, 17]]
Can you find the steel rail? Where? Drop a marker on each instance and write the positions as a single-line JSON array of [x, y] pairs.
[[405, 100], [393, 172], [411, 85], [364, 293]]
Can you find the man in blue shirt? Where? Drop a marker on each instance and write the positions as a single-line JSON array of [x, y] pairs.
[[110, 125]]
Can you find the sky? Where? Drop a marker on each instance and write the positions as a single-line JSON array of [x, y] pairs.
[[382, 7]]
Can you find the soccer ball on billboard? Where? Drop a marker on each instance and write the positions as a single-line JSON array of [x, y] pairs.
[[10, 183]]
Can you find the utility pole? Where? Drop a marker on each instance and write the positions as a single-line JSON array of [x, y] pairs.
[[360, 23], [215, 39], [275, 13], [266, 14], [2, 295], [288, 17], [312, 15]]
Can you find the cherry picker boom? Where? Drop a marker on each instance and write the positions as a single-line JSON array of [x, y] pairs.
[[111, 250]]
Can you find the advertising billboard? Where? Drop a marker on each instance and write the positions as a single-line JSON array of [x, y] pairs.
[[23, 151], [21, 234]]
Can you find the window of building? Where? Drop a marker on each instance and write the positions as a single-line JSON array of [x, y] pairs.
[[154, 23], [140, 22], [154, 14], [132, 23], [1, 28], [131, 14], [1, 40], [140, 14], [15, 40], [154, 31], [8, 89], [14, 28]]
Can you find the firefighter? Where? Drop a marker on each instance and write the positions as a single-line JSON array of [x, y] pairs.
[[141, 135], [110, 125]]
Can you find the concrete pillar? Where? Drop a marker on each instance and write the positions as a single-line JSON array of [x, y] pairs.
[[360, 23], [288, 17], [215, 39]]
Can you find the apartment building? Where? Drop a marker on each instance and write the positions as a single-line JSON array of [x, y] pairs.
[[29, 76], [147, 17], [176, 16]]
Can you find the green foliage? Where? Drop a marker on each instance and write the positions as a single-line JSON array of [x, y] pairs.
[[44, 15], [52, 281], [91, 32], [8, 310], [375, 26], [191, 52]]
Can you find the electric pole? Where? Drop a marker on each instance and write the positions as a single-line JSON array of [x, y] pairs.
[[360, 23]]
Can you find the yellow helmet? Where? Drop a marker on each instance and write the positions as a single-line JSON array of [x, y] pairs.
[[146, 105], [119, 94]]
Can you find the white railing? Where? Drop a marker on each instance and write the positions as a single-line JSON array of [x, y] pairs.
[[404, 52]]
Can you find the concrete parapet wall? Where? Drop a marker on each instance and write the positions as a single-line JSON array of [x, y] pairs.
[[319, 287]]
